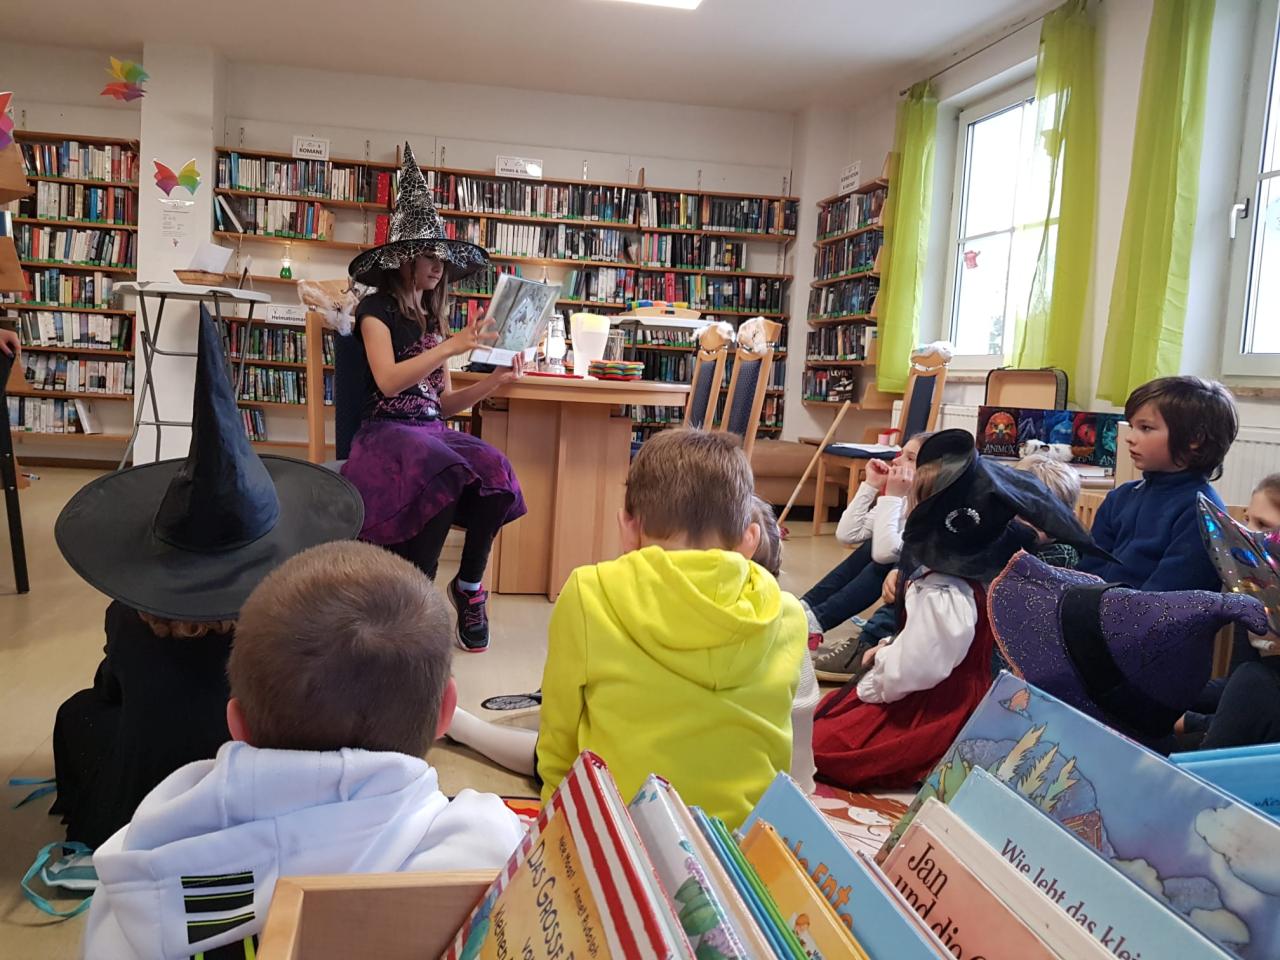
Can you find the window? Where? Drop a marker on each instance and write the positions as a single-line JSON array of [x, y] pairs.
[[1252, 343], [997, 225]]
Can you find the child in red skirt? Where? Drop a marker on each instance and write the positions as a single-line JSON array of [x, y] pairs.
[[891, 724]]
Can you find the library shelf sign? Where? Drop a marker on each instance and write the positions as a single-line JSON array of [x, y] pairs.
[[851, 177], [310, 148], [526, 167]]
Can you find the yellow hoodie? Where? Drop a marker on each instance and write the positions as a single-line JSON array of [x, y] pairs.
[[681, 663]]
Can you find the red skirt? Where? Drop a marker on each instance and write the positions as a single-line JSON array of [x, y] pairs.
[[858, 745]]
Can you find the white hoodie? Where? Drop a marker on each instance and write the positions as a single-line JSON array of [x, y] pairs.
[[198, 865]]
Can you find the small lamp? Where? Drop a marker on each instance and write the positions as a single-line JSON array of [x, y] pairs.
[[286, 264]]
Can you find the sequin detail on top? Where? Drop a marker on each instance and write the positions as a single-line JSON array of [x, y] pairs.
[[418, 402]]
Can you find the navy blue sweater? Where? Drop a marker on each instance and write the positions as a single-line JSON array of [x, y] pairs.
[[1151, 527]]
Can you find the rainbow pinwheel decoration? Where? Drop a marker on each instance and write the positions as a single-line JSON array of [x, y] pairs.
[[6, 121], [167, 180], [129, 78]]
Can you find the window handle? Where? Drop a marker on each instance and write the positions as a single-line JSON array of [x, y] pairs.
[[1239, 211]]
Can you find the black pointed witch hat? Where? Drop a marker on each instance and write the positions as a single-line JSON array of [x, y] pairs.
[[416, 230], [189, 539]]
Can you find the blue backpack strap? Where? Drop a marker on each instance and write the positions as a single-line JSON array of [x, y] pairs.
[[43, 787], [43, 857]]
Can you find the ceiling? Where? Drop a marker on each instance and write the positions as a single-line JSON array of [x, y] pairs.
[[763, 54]]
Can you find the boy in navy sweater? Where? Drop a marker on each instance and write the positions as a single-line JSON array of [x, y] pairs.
[[1182, 428]]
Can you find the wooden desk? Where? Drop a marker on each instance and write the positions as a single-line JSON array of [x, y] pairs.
[[571, 449]]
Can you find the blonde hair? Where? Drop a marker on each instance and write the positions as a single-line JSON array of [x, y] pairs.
[[769, 552], [428, 310], [692, 483], [185, 629], [927, 475], [345, 645], [1058, 477]]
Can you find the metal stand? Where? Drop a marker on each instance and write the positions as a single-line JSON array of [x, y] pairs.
[[149, 337]]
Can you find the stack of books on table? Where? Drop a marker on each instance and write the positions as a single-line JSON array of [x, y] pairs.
[[1041, 834]]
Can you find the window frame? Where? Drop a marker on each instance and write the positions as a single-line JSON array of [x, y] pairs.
[[1263, 64], [974, 112]]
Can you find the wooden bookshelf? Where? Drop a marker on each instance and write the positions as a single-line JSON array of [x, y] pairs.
[[290, 241], [85, 267], [85, 181], [850, 226], [59, 308], [21, 135], [303, 198], [66, 394], [80, 350], [86, 224]]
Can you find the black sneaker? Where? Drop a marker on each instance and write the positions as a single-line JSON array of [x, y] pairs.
[[473, 621], [838, 662]]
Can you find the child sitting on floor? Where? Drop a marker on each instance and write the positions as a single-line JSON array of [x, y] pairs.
[[1064, 483], [681, 657], [890, 727], [339, 683], [1181, 430]]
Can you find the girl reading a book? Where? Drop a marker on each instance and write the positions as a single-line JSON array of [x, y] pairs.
[[418, 478], [893, 721]]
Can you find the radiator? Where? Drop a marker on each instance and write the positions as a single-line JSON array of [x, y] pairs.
[[1255, 453]]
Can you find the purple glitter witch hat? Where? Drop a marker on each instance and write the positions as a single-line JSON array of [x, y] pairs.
[[1133, 659]]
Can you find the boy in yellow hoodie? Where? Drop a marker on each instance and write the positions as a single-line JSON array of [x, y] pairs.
[[682, 656]]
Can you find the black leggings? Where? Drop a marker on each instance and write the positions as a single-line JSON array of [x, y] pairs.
[[484, 518]]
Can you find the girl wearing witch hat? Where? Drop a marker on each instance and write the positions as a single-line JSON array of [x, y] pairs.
[[178, 545], [891, 724], [417, 477]]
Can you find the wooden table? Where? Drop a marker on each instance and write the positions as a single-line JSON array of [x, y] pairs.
[[571, 448]]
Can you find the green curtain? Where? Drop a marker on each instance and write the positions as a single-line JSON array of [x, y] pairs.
[[1066, 163], [1149, 294], [906, 235]]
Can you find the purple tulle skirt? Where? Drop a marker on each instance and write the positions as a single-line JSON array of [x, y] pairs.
[[407, 472]]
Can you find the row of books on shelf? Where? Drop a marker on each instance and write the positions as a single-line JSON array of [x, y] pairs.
[[272, 385], [51, 415], [851, 212], [92, 246], [308, 178], [854, 296], [1041, 834], [700, 291], [850, 342], [690, 251], [692, 211], [75, 201], [650, 414], [830, 385], [63, 373], [1091, 437], [81, 331], [521, 198], [274, 218], [255, 423], [53, 287], [80, 161], [277, 344], [850, 255]]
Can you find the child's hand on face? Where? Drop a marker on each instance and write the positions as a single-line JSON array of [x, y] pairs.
[[878, 474], [901, 477]]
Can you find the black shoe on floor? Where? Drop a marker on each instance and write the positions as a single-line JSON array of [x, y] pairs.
[[473, 620]]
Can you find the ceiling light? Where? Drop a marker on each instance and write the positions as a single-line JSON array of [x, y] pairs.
[[677, 4]]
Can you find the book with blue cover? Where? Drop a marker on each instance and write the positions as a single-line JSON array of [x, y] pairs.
[[881, 924], [1205, 854], [1253, 777], [1121, 915]]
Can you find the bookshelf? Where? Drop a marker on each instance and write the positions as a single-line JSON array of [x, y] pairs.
[[607, 243], [75, 235], [840, 347]]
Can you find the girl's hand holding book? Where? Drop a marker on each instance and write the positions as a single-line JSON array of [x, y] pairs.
[[509, 374], [482, 333]]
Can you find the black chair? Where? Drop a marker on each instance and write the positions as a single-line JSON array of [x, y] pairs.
[[9, 476], [350, 382]]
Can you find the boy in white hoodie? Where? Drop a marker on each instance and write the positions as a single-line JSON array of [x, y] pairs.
[[340, 680]]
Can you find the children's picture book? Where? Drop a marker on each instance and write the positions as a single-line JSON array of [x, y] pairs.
[[962, 910], [998, 432], [1203, 853], [803, 907], [876, 914], [580, 884], [684, 874], [1122, 916], [1254, 778], [863, 820], [521, 309], [1002, 432]]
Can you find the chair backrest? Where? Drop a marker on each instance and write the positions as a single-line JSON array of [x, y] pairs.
[[350, 382], [708, 374], [1087, 508], [747, 386], [923, 397]]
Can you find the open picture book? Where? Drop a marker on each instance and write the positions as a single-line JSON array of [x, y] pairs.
[[521, 309]]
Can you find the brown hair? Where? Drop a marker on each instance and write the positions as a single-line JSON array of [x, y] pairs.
[[343, 645], [927, 476], [692, 483], [1270, 486], [1058, 477], [185, 629], [426, 311], [769, 552], [1200, 415]]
